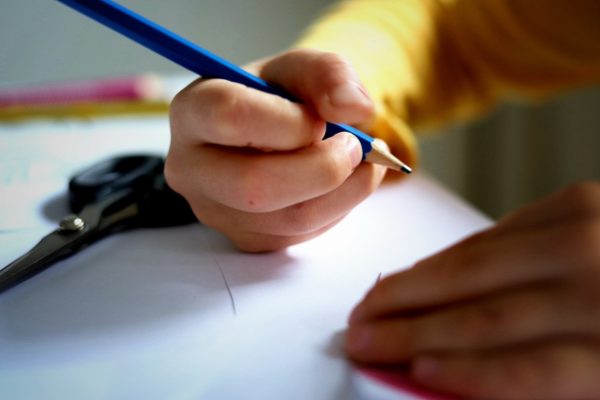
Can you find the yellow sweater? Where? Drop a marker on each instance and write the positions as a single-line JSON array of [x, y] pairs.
[[429, 62]]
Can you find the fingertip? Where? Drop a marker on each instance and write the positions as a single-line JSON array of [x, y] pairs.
[[355, 315], [358, 340], [443, 376], [346, 150], [425, 369], [355, 151], [324, 80]]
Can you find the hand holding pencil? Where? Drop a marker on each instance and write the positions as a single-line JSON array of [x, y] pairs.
[[254, 165], [247, 151]]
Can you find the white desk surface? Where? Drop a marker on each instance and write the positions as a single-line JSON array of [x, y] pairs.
[[146, 314]]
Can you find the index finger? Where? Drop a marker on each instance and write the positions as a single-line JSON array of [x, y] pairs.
[[230, 114], [480, 265]]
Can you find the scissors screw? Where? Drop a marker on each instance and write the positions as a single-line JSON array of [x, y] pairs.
[[71, 223]]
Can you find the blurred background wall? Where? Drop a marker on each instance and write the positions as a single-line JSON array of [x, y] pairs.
[[499, 162]]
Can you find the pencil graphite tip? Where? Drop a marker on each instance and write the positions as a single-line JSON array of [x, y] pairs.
[[381, 155]]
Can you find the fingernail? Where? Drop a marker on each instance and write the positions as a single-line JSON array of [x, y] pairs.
[[353, 147], [358, 338], [425, 369], [349, 94]]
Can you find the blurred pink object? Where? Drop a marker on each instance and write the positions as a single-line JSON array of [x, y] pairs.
[[398, 384], [129, 88]]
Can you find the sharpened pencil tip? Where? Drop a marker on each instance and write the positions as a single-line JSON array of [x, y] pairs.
[[380, 154]]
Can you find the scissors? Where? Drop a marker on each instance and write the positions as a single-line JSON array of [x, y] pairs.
[[111, 196]]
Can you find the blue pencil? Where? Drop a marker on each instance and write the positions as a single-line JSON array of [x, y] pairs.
[[208, 65]]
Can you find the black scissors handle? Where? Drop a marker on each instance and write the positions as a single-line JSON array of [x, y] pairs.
[[142, 175], [112, 175]]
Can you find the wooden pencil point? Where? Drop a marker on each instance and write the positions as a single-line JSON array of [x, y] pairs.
[[379, 154]]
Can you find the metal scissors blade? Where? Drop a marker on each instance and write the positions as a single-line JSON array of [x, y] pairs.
[[112, 195], [74, 233]]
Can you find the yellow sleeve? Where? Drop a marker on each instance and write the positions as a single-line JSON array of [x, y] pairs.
[[429, 62]]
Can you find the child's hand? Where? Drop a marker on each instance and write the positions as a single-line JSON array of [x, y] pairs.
[[254, 165], [510, 313]]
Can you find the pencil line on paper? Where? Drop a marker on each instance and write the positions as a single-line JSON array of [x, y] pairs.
[[229, 291], [227, 286]]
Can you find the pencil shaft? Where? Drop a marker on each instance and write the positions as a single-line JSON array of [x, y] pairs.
[[187, 54]]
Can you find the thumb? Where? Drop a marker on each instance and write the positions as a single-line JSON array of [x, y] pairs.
[[322, 80]]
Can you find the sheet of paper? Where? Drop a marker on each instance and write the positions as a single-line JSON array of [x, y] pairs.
[[177, 313], [39, 157]]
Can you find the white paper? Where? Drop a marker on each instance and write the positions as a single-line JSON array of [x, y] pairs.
[[147, 314]]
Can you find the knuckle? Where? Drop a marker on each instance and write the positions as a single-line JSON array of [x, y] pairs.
[[332, 65], [220, 109], [332, 177], [583, 198], [410, 338], [178, 112], [336, 179], [582, 251], [184, 104], [177, 105], [480, 324], [589, 243], [256, 243], [335, 166], [207, 218], [586, 298], [580, 243], [527, 374], [222, 103], [173, 176], [541, 371], [332, 70], [458, 261], [461, 256], [367, 178], [213, 215], [302, 218], [183, 98]]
